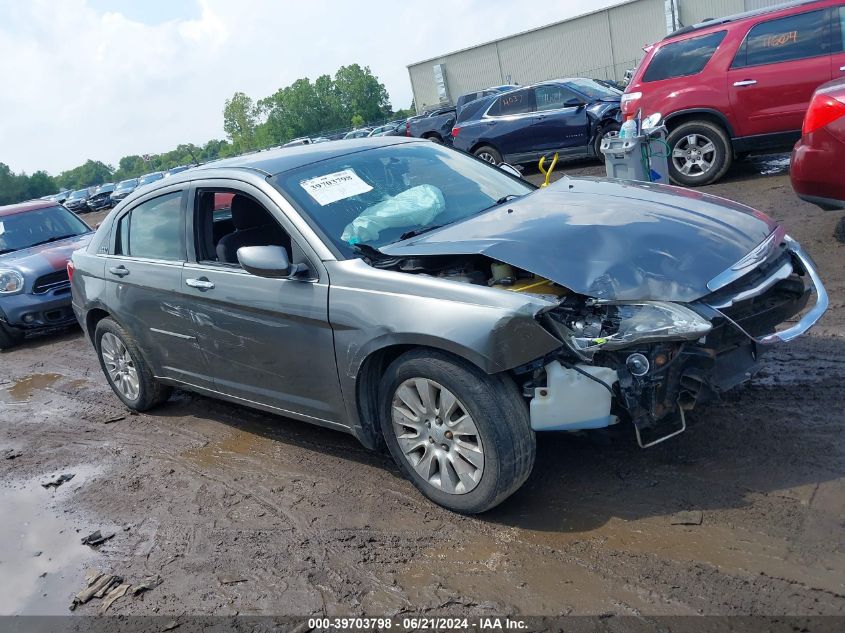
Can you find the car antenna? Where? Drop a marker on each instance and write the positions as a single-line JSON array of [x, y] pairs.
[[191, 152]]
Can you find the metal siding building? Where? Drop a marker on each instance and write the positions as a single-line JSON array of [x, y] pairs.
[[602, 44]]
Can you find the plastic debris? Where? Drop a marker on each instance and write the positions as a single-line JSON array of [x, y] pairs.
[[96, 538], [171, 625], [98, 585], [114, 594], [57, 481], [148, 583], [687, 517], [231, 579]]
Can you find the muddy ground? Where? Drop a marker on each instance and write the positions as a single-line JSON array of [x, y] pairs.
[[244, 512]]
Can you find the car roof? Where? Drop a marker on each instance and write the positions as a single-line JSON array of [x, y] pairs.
[[275, 161], [23, 207], [738, 17]]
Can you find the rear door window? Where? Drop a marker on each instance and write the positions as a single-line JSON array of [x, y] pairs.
[[517, 102], [684, 58], [153, 229], [552, 97], [785, 39], [839, 30]]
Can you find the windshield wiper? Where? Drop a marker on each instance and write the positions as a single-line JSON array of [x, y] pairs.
[[53, 239], [423, 229]]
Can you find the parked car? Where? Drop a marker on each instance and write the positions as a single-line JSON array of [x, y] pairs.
[[101, 198], [567, 116], [738, 84], [36, 240], [146, 179], [77, 201], [818, 159], [298, 141], [412, 295], [435, 126], [394, 128], [472, 96], [359, 133], [123, 189], [176, 170]]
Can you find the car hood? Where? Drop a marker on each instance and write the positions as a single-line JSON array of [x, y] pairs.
[[44, 258], [608, 239]]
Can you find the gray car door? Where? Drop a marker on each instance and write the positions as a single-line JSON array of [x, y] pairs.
[[144, 284], [267, 341]]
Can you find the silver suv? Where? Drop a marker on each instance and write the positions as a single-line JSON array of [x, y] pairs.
[[417, 297]]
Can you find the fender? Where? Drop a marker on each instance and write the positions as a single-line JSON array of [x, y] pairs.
[[709, 111]]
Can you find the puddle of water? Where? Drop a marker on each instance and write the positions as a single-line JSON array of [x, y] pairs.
[[23, 388], [33, 522], [771, 165]]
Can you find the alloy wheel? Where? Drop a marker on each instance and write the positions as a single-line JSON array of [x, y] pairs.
[[437, 436], [487, 157], [120, 367], [694, 155]]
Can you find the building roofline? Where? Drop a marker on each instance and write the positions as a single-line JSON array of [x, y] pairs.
[[525, 32]]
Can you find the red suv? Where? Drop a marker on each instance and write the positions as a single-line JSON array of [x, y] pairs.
[[739, 84]]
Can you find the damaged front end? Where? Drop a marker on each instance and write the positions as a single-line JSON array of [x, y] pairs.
[[649, 362]]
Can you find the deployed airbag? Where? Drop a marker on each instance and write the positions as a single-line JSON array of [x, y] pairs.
[[414, 207]]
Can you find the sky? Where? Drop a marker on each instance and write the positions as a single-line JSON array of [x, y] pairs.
[[103, 79]]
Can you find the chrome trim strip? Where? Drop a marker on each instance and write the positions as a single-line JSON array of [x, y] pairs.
[[748, 263], [185, 336], [779, 275], [811, 317]]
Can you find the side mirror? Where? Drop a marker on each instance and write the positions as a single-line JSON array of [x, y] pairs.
[[265, 261], [510, 169], [574, 103]]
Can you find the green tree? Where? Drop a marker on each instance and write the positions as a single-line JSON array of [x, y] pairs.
[[240, 116], [360, 92], [92, 172], [357, 120]]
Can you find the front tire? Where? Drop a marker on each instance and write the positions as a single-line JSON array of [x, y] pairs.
[[127, 372], [700, 153], [10, 336], [461, 436], [603, 131]]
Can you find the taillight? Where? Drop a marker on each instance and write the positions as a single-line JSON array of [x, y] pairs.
[[407, 128], [70, 270], [629, 102], [455, 131], [824, 109]]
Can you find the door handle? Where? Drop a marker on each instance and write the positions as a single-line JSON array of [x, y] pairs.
[[842, 68], [201, 284], [120, 271], [745, 82]]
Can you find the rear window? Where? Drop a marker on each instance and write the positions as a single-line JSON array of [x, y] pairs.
[[785, 39], [684, 58]]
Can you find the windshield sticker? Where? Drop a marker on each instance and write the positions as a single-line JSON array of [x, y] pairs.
[[337, 186]]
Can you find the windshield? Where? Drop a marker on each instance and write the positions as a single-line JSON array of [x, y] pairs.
[[22, 230], [374, 197], [105, 188], [594, 90], [127, 184], [82, 193]]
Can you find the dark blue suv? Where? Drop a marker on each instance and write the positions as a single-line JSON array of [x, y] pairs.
[[568, 116]]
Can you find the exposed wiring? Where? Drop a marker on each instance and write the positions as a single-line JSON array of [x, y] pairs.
[[588, 375]]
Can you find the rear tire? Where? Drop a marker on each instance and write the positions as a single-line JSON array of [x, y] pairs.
[[127, 372], [10, 336], [434, 138], [700, 153], [472, 446], [488, 155]]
